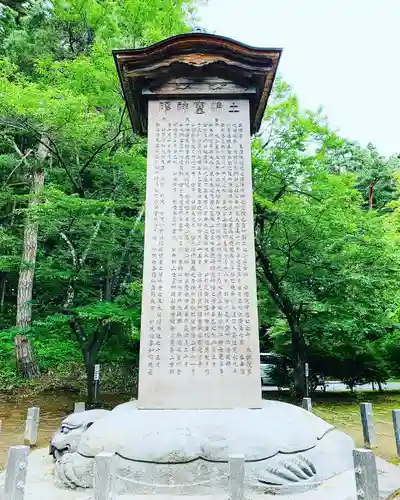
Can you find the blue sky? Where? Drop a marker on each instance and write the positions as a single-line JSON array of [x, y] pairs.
[[341, 54]]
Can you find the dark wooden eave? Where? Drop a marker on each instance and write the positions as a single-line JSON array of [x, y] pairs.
[[195, 55]]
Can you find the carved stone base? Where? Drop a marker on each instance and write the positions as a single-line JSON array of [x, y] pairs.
[[286, 449]]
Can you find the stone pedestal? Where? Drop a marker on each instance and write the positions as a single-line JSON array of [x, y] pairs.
[[186, 451]]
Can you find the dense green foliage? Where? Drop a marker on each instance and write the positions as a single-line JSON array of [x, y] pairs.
[[59, 87], [326, 210], [328, 266]]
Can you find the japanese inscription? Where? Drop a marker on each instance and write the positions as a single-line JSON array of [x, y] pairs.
[[199, 332]]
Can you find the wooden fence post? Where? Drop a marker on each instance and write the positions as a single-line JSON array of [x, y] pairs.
[[367, 419], [79, 407], [396, 429], [32, 426], [366, 474], [104, 476], [236, 477], [306, 404], [17, 464]]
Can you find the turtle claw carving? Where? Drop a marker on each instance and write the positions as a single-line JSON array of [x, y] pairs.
[[62, 465], [296, 470], [73, 470]]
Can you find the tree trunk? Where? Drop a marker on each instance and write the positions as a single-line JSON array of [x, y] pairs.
[[371, 195], [27, 270], [293, 318], [89, 366], [3, 292], [70, 290], [298, 374], [298, 350], [23, 349], [25, 358]]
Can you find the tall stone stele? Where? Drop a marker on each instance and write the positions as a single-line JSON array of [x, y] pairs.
[[198, 97]]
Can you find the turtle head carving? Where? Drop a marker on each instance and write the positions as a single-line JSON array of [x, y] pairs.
[[67, 438]]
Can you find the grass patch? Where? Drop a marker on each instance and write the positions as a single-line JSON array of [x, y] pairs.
[[342, 410]]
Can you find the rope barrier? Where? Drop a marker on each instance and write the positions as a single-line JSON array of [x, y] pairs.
[[155, 485]]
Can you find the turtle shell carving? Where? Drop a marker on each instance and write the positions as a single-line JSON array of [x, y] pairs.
[[283, 446]]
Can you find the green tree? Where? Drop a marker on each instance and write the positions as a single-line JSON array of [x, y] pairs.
[[330, 268], [59, 90], [375, 174]]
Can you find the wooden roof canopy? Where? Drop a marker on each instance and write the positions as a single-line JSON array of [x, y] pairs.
[[196, 56]]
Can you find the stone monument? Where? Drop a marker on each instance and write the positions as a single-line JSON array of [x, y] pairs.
[[199, 335], [199, 97]]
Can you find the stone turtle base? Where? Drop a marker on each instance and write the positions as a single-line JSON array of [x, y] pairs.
[[286, 449], [41, 485]]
